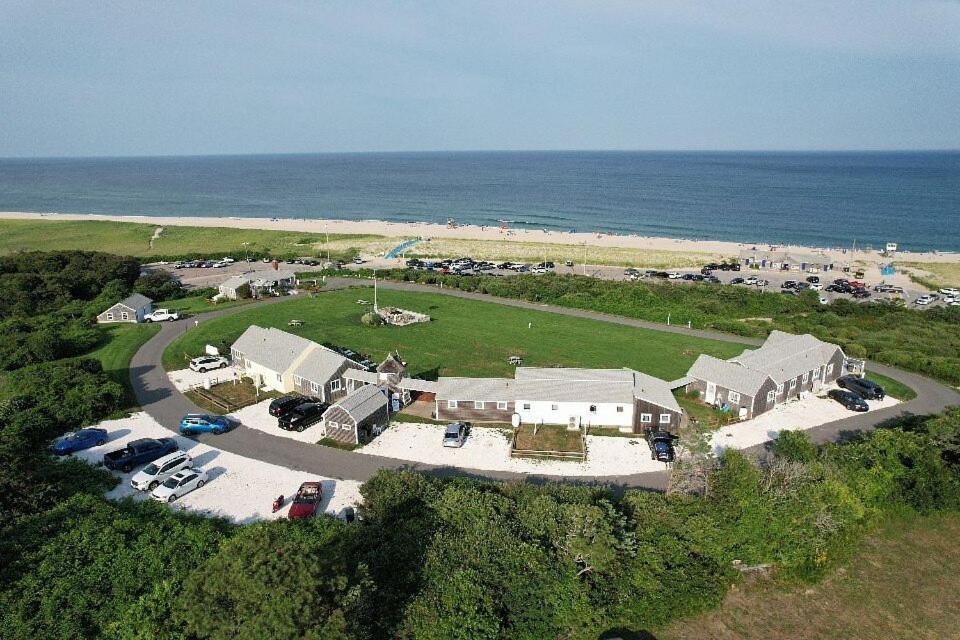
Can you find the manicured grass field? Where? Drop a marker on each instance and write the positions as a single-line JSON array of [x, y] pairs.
[[893, 388], [465, 337], [902, 583], [197, 304], [134, 239], [117, 347]]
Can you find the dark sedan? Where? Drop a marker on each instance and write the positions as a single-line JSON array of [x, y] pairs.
[[848, 399], [302, 416], [286, 404]]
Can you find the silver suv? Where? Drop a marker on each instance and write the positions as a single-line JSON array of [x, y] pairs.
[[155, 473], [456, 434]]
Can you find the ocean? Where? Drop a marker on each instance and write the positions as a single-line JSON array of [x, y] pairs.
[[814, 199]]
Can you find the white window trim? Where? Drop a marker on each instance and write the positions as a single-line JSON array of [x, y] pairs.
[[665, 418], [110, 316], [333, 425], [646, 418], [779, 389], [806, 377], [526, 406], [124, 315], [733, 396], [829, 368], [314, 387], [279, 377], [297, 380], [451, 404], [478, 404], [771, 396], [793, 384], [502, 405], [554, 407], [335, 385]]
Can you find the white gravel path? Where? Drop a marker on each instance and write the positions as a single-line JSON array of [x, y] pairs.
[[257, 416], [185, 379], [489, 449], [240, 489], [792, 416]]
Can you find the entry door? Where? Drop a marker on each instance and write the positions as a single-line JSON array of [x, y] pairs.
[[711, 393]]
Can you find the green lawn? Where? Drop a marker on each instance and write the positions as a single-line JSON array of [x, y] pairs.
[[117, 346], [134, 239], [465, 338], [197, 304], [893, 388]]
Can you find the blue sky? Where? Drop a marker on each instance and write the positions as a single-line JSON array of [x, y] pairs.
[[155, 78]]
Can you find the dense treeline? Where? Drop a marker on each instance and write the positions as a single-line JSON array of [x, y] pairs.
[[927, 341], [48, 301]]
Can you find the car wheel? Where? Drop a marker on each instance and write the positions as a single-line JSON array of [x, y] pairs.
[[127, 468], [223, 365], [148, 319], [200, 484], [171, 319], [172, 497], [153, 485], [100, 443]]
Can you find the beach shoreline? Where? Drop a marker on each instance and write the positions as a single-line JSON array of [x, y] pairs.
[[424, 230]]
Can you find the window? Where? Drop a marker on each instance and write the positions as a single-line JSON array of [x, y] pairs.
[[830, 369], [478, 404], [314, 387], [646, 418], [779, 388], [526, 406], [124, 315], [793, 384], [333, 425], [451, 404], [502, 406], [619, 408], [806, 377], [297, 380], [554, 407], [733, 396], [664, 418], [335, 385], [771, 396], [593, 408], [109, 316], [279, 378]]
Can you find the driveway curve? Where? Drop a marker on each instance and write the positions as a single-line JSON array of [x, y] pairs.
[[157, 396]]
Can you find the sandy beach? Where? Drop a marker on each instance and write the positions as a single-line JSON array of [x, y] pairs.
[[497, 234]]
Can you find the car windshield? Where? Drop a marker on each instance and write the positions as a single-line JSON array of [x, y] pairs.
[[172, 483], [71, 436], [151, 469]]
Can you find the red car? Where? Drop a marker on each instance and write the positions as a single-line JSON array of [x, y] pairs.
[[306, 502]]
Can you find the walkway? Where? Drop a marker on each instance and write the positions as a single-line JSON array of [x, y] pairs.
[[398, 250], [158, 397]]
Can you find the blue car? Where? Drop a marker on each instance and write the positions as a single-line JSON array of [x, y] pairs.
[[194, 423], [79, 440]]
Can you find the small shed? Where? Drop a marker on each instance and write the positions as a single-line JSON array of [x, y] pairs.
[[131, 309], [357, 418]]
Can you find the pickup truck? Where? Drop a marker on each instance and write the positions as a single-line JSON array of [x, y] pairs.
[[661, 445], [161, 315], [139, 452]]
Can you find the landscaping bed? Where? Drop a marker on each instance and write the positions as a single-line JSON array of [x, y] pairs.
[[229, 396], [551, 442]]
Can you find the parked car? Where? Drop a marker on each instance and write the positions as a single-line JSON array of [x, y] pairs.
[[789, 284], [861, 294], [813, 279], [568, 263], [674, 275], [208, 363], [285, 404], [456, 434], [302, 416], [194, 423], [713, 279], [180, 484], [816, 286], [358, 260], [306, 502], [950, 291], [161, 315], [866, 389], [139, 452], [148, 478], [738, 280], [79, 440], [661, 445], [848, 399]]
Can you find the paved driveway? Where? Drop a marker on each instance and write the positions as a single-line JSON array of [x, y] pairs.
[[158, 397]]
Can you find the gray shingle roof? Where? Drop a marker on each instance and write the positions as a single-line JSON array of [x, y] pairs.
[[476, 389], [363, 402], [728, 374], [785, 356], [654, 390], [573, 373], [320, 364], [370, 377], [272, 348], [234, 282], [136, 301]]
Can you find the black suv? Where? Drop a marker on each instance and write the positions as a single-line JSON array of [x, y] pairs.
[[848, 399], [286, 404], [866, 389], [813, 279], [661, 445], [302, 416]]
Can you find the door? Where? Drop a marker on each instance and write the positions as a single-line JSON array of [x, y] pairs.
[[711, 394]]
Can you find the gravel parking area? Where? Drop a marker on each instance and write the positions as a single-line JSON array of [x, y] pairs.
[[184, 379], [257, 416], [489, 449], [797, 415], [240, 489]]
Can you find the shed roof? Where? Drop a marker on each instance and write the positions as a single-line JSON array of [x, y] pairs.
[[785, 356], [363, 402], [654, 390], [136, 301], [271, 348], [320, 365]]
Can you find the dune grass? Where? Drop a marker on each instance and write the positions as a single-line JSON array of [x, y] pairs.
[[465, 337], [934, 275]]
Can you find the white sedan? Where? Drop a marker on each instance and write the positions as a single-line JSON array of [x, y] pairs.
[[180, 484], [208, 363]]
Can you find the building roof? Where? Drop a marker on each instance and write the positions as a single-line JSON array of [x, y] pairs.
[[136, 301], [272, 348], [654, 390], [785, 356], [728, 374], [260, 277], [561, 390], [370, 377], [320, 365], [573, 373], [779, 255], [234, 282], [476, 388], [363, 402]]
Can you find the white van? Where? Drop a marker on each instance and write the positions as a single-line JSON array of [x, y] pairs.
[[155, 473]]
